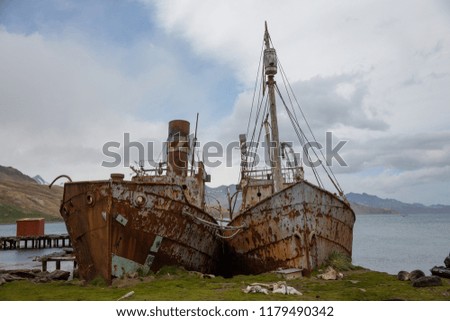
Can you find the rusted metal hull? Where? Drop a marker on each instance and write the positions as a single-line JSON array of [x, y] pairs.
[[119, 227], [298, 227]]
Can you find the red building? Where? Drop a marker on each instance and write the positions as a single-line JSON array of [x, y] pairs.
[[30, 227]]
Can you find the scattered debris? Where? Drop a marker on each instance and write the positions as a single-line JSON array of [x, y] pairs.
[[426, 281], [284, 289], [11, 277], [354, 281], [202, 275], [208, 276], [255, 289], [278, 287], [331, 274], [126, 296], [34, 275], [290, 274], [56, 275]]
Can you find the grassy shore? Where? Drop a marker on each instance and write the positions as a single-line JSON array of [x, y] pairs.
[[10, 214], [177, 284]]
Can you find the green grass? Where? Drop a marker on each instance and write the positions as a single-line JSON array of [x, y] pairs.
[[9, 214], [176, 284], [340, 262]]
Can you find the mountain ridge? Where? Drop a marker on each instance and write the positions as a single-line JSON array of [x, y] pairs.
[[23, 197], [362, 203], [396, 205]]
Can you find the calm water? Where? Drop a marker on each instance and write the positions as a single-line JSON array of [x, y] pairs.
[[23, 259], [390, 243], [382, 242]]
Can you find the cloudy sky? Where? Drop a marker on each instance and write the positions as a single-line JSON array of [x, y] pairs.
[[75, 75]]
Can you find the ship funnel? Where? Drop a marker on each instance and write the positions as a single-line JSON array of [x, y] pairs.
[[178, 147]]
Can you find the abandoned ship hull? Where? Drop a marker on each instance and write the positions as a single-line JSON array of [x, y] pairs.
[[125, 226], [298, 227]]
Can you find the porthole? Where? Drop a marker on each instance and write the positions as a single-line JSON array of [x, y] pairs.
[[90, 200], [140, 200]]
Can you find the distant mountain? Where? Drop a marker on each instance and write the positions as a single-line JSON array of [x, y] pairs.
[[38, 179], [364, 209], [361, 203], [217, 198], [394, 205], [21, 196], [218, 195], [10, 173]]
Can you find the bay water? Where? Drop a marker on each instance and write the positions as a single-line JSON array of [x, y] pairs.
[[394, 242], [382, 242], [23, 258]]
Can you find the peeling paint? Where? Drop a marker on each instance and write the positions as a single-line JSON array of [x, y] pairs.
[[298, 227], [122, 266], [156, 244], [118, 225], [122, 220]]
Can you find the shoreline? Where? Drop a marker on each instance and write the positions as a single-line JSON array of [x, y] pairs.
[[173, 284]]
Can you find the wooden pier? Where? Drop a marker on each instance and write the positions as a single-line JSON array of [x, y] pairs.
[[57, 260], [34, 242]]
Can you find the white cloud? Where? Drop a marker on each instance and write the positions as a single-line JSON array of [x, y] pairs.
[[370, 71], [60, 102], [376, 73]]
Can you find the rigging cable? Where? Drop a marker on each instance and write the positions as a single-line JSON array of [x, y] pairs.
[[329, 170], [254, 90], [300, 136]]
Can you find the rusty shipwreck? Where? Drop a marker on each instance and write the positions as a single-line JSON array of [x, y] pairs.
[[157, 218], [284, 221]]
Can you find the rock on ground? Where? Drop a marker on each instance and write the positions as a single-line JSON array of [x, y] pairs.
[[35, 275], [330, 274], [416, 274], [447, 261], [403, 276], [426, 281]]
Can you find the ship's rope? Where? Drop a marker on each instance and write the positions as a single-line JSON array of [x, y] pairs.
[[300, 135], [256, 85], [327, 169], [218, 227], [261, 112], [215, 225], [228, 237], [291, 106]]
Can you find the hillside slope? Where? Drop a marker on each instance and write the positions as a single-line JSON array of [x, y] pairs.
[[21, 196]]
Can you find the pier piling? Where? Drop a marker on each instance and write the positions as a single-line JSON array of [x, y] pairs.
[[34, 242]]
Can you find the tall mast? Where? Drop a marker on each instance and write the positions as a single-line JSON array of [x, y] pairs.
[[270, 67]]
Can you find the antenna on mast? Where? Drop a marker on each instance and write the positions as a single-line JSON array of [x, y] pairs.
[[194, 144]]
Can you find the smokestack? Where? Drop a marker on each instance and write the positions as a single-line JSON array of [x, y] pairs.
[[178, 147]]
